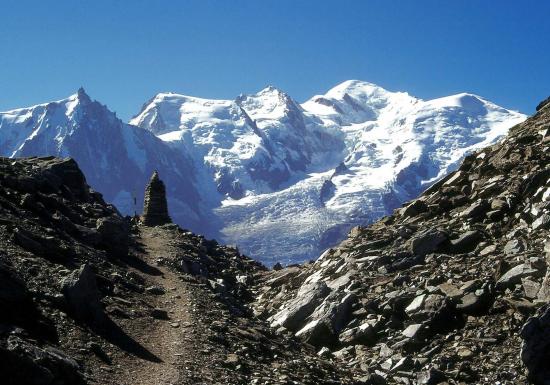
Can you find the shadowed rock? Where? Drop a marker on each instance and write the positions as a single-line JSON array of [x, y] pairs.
[[82, 296], [155, 208]]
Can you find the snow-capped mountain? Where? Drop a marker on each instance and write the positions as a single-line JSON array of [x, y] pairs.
[[117, 158], [281, 180]]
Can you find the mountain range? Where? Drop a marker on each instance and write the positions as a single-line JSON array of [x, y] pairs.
[[279, 179]]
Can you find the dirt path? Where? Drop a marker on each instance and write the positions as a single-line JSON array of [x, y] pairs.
[[207, 338], [169, 340]]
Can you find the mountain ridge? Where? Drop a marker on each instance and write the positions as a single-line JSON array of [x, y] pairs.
[[340, 159]]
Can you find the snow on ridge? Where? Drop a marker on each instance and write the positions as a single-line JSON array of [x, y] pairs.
[[281, 180], [349, 156]]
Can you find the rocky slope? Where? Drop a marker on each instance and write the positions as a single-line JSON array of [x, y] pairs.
[[279, 179], [87, 296], [439, 291]]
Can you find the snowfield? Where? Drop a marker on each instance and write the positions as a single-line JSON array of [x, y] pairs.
[[281, 180]]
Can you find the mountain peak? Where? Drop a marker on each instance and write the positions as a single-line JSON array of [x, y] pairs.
[[354, 86], [82, 96], [271, 89]]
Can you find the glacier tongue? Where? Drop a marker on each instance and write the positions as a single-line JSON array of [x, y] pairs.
[[281, 180]]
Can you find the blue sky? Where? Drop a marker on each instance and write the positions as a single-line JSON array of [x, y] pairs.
[[123, 52]]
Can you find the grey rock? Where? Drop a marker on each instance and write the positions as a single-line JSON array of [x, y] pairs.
[[514, 246], [295, 311], [530, 288], [405, 363], [24, 363], [542, 222], [429, 307], [467, 241], [451, 290], [535, 349], [372, 379], [427, 242], [114, 234], [414, 331], [364, 334], [416, 207], [326, 322], [478, 301], [476, 209], [82, 296], [544, 291], [514, 275], [318, 333], [431, 376]]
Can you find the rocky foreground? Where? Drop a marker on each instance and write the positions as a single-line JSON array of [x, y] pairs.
[[441, 291], [452, 288], [87, 296]]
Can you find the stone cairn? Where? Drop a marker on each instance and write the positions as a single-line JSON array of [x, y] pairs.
[[155, 208]]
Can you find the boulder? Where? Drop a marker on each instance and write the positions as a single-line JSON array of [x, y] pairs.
[[413, 209], [466, 242], [294, 313], [427, 242], [433, 310], [478, 299], [114, 233], [544, 291], [543, 104], [530, 288], [535, 349], [427, 307], [415, 332], [514, 275], [317, 333], [476, 209], [431, 376], [12, 290], [514, 246], [364, 334], [15, 300], [450, 290], [542, 222], [82, 296], [25, 363], [328, 319]]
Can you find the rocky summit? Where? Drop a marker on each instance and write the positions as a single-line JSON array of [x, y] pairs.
[[452, 288]]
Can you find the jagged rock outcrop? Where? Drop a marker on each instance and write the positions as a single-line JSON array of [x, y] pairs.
[[444, 285], [155, 207]]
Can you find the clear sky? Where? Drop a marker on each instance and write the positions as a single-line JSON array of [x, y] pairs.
[[123, 52]]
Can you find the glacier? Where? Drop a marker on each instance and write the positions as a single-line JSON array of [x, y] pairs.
[[281, 180]]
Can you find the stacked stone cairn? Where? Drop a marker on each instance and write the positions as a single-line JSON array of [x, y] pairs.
[[155, 208]]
